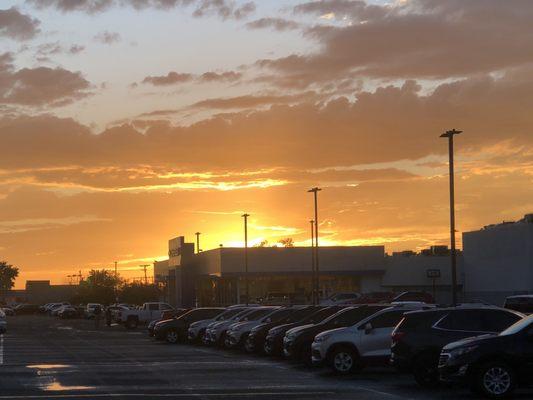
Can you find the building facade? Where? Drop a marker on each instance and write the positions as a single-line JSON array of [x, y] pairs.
[[499, 260]]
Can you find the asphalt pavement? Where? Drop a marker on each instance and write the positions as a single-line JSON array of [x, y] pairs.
[[48, 358]]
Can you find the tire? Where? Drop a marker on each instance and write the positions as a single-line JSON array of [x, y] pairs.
[[132, 323], [425, 370], [172, 336], [249, 346], [495, 380], [343, 360]]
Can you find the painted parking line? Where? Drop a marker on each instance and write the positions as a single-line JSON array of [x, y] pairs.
[[173, 395], [2, 349]]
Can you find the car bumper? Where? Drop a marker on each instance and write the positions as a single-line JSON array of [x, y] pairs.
[[192, 335], [452, 371], [273, 346], [288, 348], [317, 354], [400, 363], [233, 339]]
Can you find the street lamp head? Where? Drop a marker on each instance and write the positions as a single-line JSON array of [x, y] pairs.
[[314, 190], [198, 233], [449, 134], [245, 215]]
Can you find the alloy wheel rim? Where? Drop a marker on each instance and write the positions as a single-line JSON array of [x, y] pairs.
[[343, 362], [172, 337], [497, 380]]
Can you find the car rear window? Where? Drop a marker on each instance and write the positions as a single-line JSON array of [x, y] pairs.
[[419, 321]]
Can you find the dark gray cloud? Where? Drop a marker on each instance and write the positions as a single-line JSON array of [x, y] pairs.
[[17, 26], [225, 9], [420, 39], [278, 24], [107, 37], [175, 78], [41, 86]]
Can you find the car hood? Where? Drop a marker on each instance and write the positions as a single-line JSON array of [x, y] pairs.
[[298, 329], [169, 322], [201, 324], [481, 339], [333, 331]]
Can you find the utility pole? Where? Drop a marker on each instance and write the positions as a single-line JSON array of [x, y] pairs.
[[145, 266], [245, 216], [312, 222], [453, 255], [116, 282], [315, 191], [197, 242]]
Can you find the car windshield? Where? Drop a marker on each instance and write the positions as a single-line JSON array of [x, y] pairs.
[[256, 314], [518, 326]]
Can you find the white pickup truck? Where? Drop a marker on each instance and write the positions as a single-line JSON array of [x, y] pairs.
[[148, 312]]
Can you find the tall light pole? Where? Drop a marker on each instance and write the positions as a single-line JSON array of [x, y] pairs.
[[453, 255], [197, 242], [315, 191], [145, 266], [245, 216], [312, 222]]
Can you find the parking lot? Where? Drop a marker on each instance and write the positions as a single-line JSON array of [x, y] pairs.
[[45, 357]]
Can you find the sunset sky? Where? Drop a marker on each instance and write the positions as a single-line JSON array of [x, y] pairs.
[[126, 123]]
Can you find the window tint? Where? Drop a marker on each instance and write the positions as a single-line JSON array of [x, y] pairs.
[[256, 314], [387, 320], [463, 320], [420, 321], [497, 320], [153, 307], [165, 306], [352, 316]]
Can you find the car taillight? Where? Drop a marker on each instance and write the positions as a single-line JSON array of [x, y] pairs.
[[397, 336]]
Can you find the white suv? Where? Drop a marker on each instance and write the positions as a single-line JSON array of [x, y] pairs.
[[366, 342]]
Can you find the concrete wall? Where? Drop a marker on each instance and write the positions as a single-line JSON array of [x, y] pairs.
[[499, 261], [350, 260]]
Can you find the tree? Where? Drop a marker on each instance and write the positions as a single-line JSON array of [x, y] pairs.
[[99, 287], [264, 243], [287, 242], [139, 293], [8, 274]]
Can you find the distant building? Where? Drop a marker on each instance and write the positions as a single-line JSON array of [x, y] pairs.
[[216, 277], [41, 292], [428, 271], [499, 260]]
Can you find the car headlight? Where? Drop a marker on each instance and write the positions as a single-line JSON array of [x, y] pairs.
[[275, 331], [461, 351], [321, 338]]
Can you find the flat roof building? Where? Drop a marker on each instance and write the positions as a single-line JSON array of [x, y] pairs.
[[499, 260]]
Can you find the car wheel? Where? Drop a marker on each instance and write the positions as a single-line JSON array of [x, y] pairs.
[[249, 346], [425, 371], [172, 336], [132, 323], [343, 360], [267, 348], [494, 380]]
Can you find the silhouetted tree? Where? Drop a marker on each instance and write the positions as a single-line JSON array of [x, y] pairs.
[[264, 243], [99, 287], [287, 242], [138, 293], [8, 274]]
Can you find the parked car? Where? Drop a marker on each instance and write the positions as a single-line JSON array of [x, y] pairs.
[[196, 331], [522, 303], [149, 311], [340, 298], [256, 339], [54, 307], [420, 336], [175, 329], [274, 340], [68, 312], [8, 311], [3, 322], [297, 341], [26, 309], [168, 314], [365, 342], [238, 332], [215, 333], [492, 365], [373, 298], [422, 297]]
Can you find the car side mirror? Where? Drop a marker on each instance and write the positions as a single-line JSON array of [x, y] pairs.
[[368, 328]]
